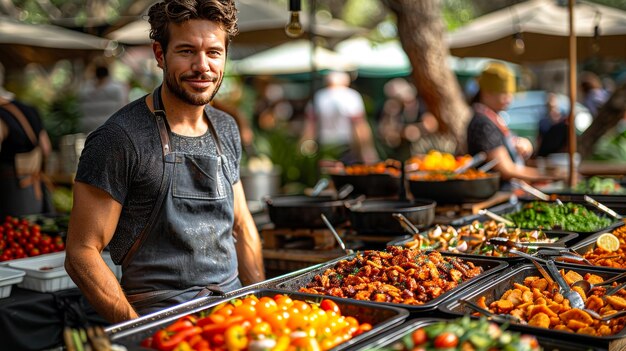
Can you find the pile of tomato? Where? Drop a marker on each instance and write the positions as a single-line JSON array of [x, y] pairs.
[[277, 323], [19, 238]]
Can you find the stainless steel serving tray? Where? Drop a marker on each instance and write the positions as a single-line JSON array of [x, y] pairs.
[[495, 286], [509, 207], [381, 317], [386, 341], [563, 238], [173, 312], [588, 244], [489, 267]]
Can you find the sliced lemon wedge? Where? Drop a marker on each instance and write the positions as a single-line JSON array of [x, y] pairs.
[[608, 242]]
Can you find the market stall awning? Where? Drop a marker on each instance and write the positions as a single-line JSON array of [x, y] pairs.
[[291, 58], [543, 27], [22, 43], [261, 26]]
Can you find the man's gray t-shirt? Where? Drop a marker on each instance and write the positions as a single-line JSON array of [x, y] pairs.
[[124, 158]]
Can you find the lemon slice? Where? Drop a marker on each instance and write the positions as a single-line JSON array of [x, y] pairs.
[[608, 242]]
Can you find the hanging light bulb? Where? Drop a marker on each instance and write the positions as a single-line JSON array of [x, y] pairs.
[[518, 44], [294, 29]]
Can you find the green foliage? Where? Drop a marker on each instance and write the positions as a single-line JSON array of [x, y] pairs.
[[611, 148], [359, 12], [457, 13], [63, 116], [298, 170]]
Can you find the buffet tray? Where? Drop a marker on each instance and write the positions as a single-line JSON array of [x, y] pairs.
[[489, 267], [381, 317], [514, 207], [386, 341], [172, 312], [8, 278], [582, 248], [562, 238], [494, 287]]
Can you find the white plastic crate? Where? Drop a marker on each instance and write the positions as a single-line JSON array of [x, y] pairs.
[[44, 273], [9, 277]]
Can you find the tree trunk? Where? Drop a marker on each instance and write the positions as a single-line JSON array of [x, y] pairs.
[[611, 113], [421, 32]]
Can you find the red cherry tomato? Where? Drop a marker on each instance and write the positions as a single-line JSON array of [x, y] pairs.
[[419, 337], [329, 305], [446, 340]]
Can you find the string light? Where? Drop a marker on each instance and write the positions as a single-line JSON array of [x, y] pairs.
[[518, 44], [294, 29]]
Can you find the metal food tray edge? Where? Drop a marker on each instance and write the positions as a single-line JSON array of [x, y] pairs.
[[184, 308], [495, 286], [495, 266], [396, 315]]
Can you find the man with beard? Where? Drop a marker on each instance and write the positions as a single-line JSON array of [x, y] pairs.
[[159, 181]]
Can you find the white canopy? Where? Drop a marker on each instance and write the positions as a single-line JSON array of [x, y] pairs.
[[544, 27]]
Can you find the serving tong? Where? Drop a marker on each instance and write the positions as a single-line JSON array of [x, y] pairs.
[[602, 207], [518, 183], [521, 245]]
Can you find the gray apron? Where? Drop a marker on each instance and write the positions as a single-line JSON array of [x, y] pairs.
[[187, 249]]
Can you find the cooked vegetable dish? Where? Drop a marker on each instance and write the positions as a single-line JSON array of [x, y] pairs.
[[474, 239], [465, 334], [397, 275], [539, 303], [615, 259], [569, 216]]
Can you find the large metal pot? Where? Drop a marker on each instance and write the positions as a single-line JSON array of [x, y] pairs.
[[376, 216], [301, 211], [456, 190]]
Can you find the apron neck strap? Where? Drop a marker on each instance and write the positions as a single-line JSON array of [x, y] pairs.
[[159, 113]]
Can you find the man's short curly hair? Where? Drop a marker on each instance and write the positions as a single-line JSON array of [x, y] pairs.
[[165, 12]]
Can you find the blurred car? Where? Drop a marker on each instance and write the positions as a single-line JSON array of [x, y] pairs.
[[529, 107]]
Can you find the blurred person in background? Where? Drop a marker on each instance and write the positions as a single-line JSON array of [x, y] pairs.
[[159, 184], [338, 113], [552, 134], [488, 132], [24, 145], [593, 95], [100, 98]]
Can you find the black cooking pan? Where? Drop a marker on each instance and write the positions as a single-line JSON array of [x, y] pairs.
[[301, 211], [456, 190], [370, 185], [376, 216]]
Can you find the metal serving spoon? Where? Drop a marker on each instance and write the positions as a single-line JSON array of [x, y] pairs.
[[587, 286], [336, 235]]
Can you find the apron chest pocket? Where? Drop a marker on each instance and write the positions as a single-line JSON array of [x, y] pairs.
[[198, 177]]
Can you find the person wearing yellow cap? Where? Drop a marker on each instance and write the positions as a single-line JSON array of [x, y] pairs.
[[488, 132]]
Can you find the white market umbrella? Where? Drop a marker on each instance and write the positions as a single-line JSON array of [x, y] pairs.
[[42, 43], [544, 27], [261, 26], [388, 59], [291, 58]]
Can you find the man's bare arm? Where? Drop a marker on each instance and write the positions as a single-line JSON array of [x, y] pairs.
[[248, 242]]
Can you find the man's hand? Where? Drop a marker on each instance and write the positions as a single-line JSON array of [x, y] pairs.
[[524, 147]]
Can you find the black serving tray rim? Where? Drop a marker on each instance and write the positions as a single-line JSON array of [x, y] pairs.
[[490, 283], [396, 333], [498, 266]]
